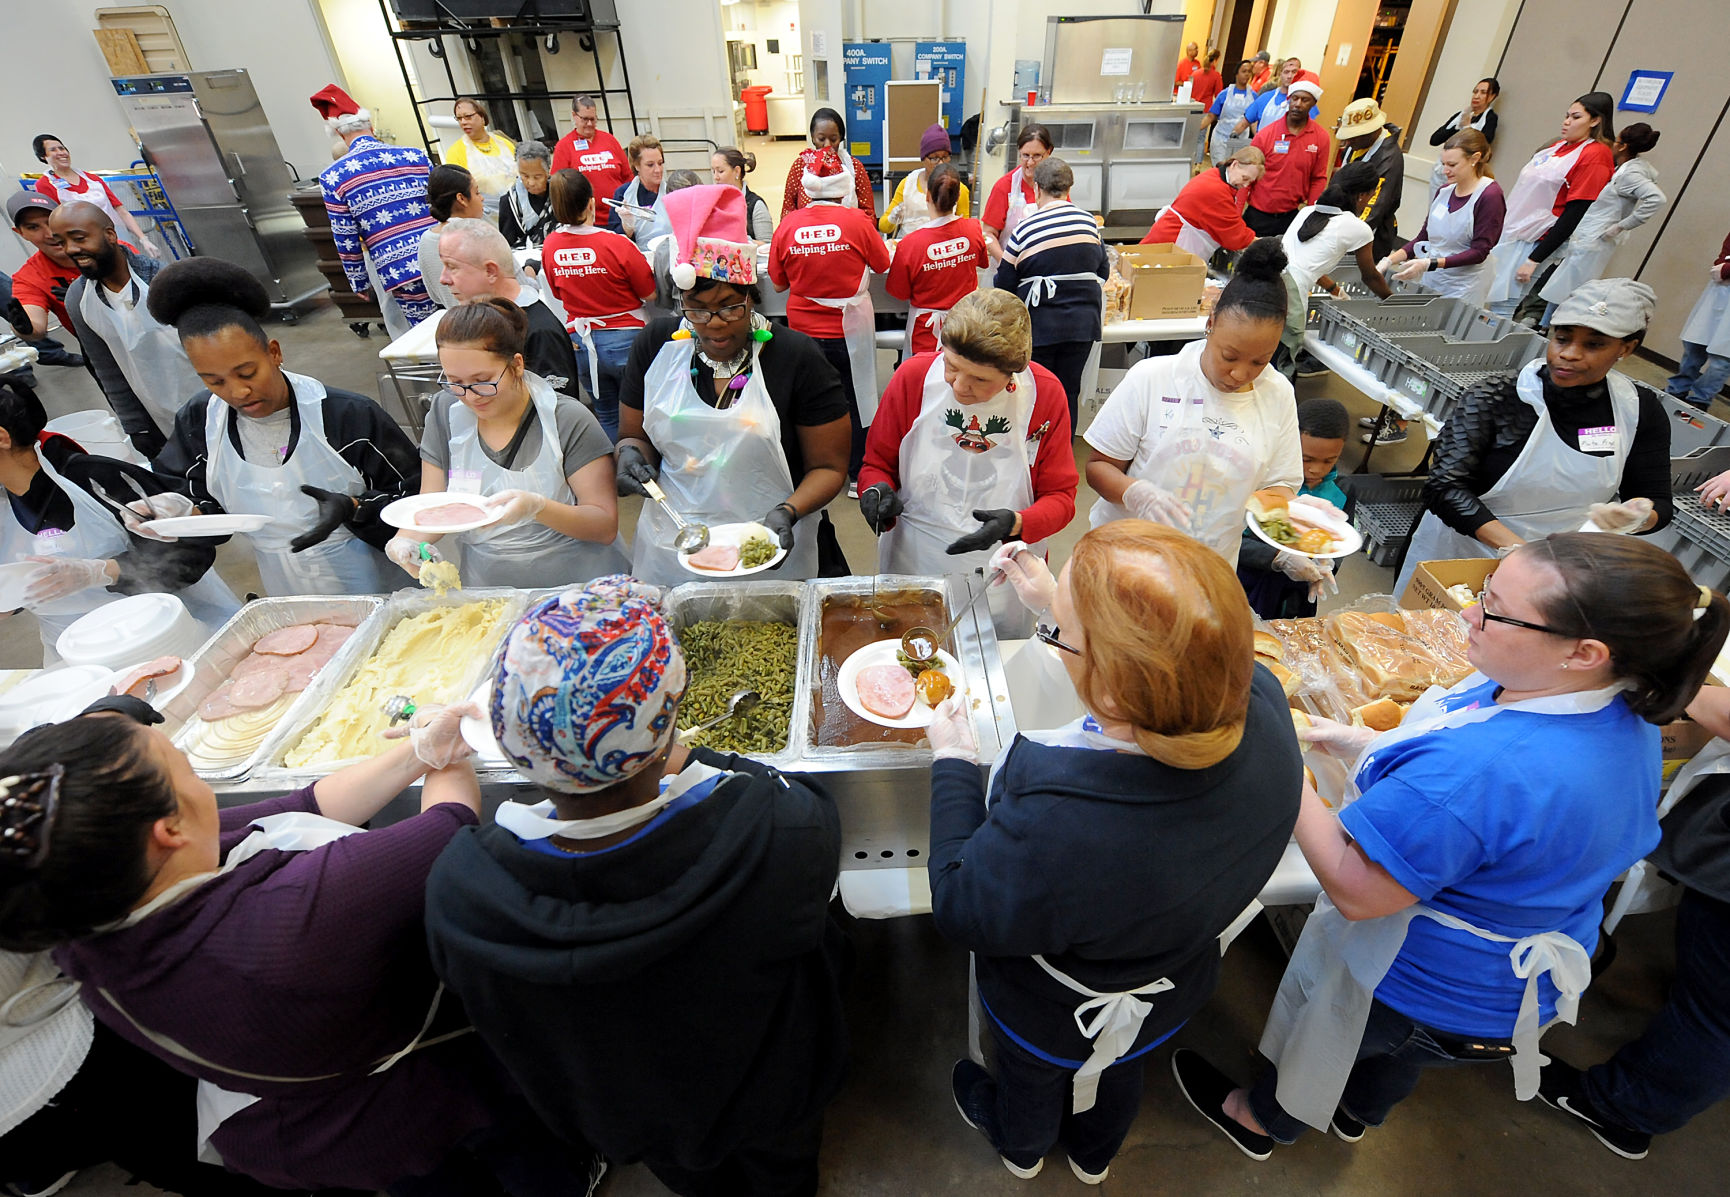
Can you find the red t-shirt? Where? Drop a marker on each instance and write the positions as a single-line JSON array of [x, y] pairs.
[[1594, 163], [1258, 79], [1185, 69], [823, 250], [1295, 174], [1210, 204], [997, 203], [62, 192], [598, 274], [933, 268], [1053, 469], [35, 283], [601, 160], [1204, 85]]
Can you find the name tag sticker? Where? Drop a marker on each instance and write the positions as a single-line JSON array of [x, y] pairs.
[[48, 542], [1282, 146], [466, 481], [1600, 440]]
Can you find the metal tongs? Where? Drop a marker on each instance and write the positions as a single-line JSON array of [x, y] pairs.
[[120, 508]]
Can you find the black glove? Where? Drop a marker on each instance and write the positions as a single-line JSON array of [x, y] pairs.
[[58, 290], [879, 505], [631, 470], [780, 521], [334, 510], [19, 319], [998, 525]]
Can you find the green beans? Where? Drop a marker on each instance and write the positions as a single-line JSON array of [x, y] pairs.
[[756, 551], [724, 656]]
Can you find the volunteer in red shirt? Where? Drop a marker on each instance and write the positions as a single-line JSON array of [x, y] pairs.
[[826, 253], [1014, 197], [1204, 85], [593, 151], [1263, 71], [63, 184], [971, 449], [1553, 191], [828, 132], [1297, 150], [40, 284], [602, 279], [1191, 63], [938, 264], [1208, 212]]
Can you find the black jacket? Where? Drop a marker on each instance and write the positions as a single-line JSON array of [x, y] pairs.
[[674, 997], [548, 350], [356, 427], [1117, 869], [1454, 124], [1384, 206]]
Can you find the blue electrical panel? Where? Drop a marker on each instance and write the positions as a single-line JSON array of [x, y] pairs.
[[945, 62], [865, 69]]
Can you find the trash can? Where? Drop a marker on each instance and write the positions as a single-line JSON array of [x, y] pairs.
[[756, 107]]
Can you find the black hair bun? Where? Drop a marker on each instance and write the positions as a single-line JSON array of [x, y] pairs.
[[205, 282], [1262, 260]]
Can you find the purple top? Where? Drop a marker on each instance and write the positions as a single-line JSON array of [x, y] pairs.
[[1487, 220], [301, 965]]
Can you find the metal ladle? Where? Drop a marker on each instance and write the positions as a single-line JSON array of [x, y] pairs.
[[690, 537], [921, 643], [743, 702]]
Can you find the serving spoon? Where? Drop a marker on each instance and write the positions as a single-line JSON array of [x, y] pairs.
[[690, 537], [743, 702]]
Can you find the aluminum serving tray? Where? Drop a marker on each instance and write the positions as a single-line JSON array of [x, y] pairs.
[[396, 608], [212, 663]]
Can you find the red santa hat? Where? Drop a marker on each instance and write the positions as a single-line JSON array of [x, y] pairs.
[[709, 235], [826, 177], [333, 101]]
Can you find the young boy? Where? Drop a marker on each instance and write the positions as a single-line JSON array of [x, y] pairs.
[[1322, 427]]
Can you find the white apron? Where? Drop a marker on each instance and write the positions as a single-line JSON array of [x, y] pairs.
[[1451, 233], [956, 458], [528, 555], [1274, 111], [859, 327], [1547, 489], [932, 318], [1323, 1003], [1438, 180], [1588, 251], [148, 353], [96, 534], [1221, 143], [718, 466], [1708, 321], [1644, 888], [1020, 207], [1529, 217], [1044, 286], [1190, 238], [915, 204], [342, 563], [494, 173]]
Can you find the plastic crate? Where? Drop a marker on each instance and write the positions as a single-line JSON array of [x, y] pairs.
[[1691, 428], [1435, 371], [1700, 539], [1385, 509], [1423, 314]]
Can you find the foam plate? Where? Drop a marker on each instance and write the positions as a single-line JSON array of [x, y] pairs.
[[402, 513], [882, 652], [1349, 544], [734, 534], [207, 525]]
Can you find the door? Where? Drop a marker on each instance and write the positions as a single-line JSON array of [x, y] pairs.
[[1426, 24], [1343, 60]]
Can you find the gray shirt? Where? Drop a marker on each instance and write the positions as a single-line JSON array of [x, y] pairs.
[[579, 433], [265, 441]]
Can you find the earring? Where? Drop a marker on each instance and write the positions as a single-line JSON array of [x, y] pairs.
[[1564, 664]]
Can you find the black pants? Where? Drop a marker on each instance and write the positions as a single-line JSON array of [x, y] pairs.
[[1067, 360], [1033, 1099], [1268, 224], [782, 1165], [514, 1157], [835, 349]]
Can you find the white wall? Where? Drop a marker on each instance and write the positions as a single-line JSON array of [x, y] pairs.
[[1301, 27], [360, 38]]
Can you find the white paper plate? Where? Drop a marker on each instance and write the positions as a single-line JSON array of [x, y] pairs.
[[207, 525], [402, 513], [52, 696], [734, 534], [882, 652], [1349, 544], [478, 733], [15, 579]]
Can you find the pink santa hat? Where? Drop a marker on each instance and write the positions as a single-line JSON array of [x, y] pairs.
[[709, 235]]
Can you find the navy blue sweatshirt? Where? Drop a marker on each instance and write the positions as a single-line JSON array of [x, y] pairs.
[[1117, 869]]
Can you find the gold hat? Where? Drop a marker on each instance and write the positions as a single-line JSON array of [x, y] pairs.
[[1361, 117]]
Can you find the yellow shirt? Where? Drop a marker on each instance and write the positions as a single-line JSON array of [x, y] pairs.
[[493, 162], [884, 224]]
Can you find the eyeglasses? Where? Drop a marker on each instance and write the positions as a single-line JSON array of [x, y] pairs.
[[701, 316], [482, 389], [1491, 617], [1047, 634]]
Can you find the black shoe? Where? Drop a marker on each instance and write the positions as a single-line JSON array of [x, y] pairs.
[[1308, 365], [1345, 1126], [975, 1100], [1391, 431], [1560, 1087], [37, 1186], [1207, 1087]]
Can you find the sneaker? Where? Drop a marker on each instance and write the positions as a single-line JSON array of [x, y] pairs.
[[1368, 421], [1391, 431], [1308, 365], [37, 1186], [1206, 1088], [1086, 1177], [1560, 1087], [852, 488], [597, 1172], [972, 1088], [1345, 1126]]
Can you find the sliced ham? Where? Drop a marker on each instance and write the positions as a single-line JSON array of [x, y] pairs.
[[448, 515], [133, 680], [286, 642], [259, 690], [717, 557], [335, 635], [302, 669], [217, 705], [254, 663], [886, 690]]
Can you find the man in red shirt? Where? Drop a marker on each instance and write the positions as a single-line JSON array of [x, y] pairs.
[[596, 153], [1298, 151], [1263, 71], [1190, 65], [38, 290]]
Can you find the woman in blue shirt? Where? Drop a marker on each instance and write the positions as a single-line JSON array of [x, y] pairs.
[[1499, 813]]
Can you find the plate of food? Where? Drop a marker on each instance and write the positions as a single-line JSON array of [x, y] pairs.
[[439, 512], [1305, 526], [206, 525], [881, 683], [735, 551]]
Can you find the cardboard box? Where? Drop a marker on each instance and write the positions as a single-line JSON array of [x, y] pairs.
[[1165, 282], [1429, 584], [1680, 742]]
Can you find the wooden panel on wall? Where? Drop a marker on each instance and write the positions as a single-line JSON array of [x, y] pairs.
[[1426, 23], [1552, 57], [1350, 35], [120, 49]]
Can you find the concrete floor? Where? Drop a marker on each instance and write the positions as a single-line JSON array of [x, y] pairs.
[[893, 1129]]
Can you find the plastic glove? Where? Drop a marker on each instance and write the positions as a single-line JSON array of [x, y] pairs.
[[1032, 578], [1341, 739], [997, 524], [1524, 274], [334, 510], [1508, 550], [1715, 492], [780, 521], [1149, 502], [1415, 269], [879, 505], [631, 470], [1611, 233], [406, 552], [1620, 517], [61, 576], [167, 505], [435, 734], [951, 732], [1385, 265], [1299, 568], [517, 506]]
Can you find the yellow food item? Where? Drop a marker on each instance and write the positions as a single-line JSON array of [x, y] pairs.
[[430, 657], [441, 577], [223, 743], [934, 686], [1316, 540]]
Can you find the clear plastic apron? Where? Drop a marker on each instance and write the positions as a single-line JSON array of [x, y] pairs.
[[1588, 251], [342, 563], [955, 458], [494, 172], [1529, 217], [1221, 143], [859, 327], [1451, 233], [641, 230], [528, 555], [1547, 489], [148, 353], [915, 206], [1708, 320], [1323, 1003], [718, 466], [1020, 207]]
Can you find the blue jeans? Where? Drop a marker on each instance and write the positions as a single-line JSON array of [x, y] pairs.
[[1700, 375], [1681, 1065], [612, 350], [1391, 1056]]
